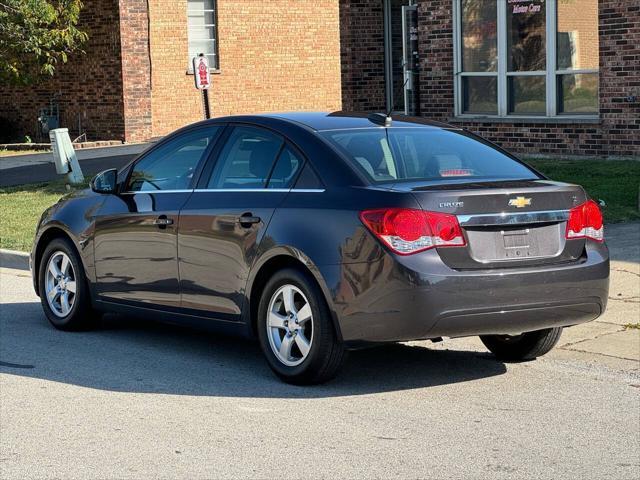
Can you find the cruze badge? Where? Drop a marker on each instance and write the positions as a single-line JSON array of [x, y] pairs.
[[519, 202], [451, 204]]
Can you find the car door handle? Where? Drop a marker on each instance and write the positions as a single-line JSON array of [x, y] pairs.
[[162, 221], [247, 219]]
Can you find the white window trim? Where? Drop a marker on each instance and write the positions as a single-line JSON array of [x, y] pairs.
[[502, 74], [214, 68]]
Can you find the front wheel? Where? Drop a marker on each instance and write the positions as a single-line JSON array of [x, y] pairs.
[[63, 287], [295, 330], [527, 346]]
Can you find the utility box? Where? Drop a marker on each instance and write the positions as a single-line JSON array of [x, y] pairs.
[[64, 156]]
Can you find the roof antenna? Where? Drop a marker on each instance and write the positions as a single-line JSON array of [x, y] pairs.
[[385, 119], [381, 119]]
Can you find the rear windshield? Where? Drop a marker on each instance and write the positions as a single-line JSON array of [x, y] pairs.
[[412, 154]]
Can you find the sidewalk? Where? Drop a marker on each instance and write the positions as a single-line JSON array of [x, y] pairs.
[[607, 336], [39, 167]]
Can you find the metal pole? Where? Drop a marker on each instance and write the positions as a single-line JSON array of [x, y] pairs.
[[205, 101]]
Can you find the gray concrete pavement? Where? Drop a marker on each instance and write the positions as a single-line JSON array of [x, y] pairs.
[[136, 399]]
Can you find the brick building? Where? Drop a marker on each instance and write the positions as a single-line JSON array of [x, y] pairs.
[[555, 77], [134, 83]]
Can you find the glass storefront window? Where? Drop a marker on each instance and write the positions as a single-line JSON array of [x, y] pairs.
[[479, 36], [578, 93], [479, 62], [480, 95], [577, 40], [527, 57], [526, 35], [527, 95]]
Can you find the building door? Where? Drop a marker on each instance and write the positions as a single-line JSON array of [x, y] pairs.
[[401, 56], [410, 59]]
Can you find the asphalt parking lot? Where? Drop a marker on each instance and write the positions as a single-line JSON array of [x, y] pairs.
[[136, 399]]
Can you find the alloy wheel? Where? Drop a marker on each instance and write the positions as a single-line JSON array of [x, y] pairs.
[[60, 284], [290, 325]]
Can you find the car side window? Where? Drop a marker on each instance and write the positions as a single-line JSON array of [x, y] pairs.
[[172, 165], [285, 170], [246, 160]]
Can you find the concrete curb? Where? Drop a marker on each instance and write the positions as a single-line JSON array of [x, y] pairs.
[[14, 259]]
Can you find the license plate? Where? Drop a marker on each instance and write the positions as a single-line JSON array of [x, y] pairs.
[[516, 244]]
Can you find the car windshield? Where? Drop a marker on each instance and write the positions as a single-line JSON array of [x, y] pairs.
[[387, 155]]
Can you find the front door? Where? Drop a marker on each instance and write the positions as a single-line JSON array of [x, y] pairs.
[[401, 56], [136, 230], [225, 220], [410, 59]]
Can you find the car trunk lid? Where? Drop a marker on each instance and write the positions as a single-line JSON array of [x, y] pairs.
[[505, 223]]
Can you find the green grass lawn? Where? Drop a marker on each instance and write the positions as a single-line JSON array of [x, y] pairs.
[[20, 210], [615, 182], [13, 153]]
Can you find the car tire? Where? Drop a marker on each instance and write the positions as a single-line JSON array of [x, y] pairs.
[[295, 329], [527, 346], [63, 288]]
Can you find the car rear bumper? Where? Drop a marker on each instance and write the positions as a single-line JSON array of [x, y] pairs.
[[416, 297]]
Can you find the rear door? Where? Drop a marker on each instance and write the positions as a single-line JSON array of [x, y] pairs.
[[136, 230], [224, 221]]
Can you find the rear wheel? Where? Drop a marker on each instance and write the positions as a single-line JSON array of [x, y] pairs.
[[526, 346], [63, 287], [295, 330]]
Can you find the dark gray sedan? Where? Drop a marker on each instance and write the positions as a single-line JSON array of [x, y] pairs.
[[318, 233]]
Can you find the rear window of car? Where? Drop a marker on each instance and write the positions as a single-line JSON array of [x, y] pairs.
[[387, 155]]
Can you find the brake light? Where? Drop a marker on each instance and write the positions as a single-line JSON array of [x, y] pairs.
[[407, 231], [585, 221]]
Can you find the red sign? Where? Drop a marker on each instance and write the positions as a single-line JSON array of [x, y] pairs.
[[201, 73]]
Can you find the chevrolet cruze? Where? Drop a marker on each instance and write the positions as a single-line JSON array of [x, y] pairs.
[[318, 233]]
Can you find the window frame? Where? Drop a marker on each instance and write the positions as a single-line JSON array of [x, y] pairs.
[[551, 73], [206, 155], [212, 68], [207, 170]]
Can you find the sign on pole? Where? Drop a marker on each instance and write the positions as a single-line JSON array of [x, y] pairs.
[[202, 78], [201, 72]]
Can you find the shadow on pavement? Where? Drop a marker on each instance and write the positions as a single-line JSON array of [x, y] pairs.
[[132, 355]]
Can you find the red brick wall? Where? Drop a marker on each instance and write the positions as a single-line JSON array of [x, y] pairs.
[[88, 86], [435, 37], [362, 55], [279, 55], [616, 133], [136, 69]]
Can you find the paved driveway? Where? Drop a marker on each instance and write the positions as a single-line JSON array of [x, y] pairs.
[[139, 400], [38, 167]]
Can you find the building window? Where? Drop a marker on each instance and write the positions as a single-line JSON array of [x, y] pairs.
[[526, 57], [202, 31]]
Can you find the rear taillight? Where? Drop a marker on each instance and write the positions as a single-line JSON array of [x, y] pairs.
[[585, 221], [407, 231]]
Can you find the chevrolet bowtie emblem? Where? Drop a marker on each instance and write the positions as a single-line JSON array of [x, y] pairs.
[[519, 202]]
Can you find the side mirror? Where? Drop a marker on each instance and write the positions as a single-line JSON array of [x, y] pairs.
[[105, 182]]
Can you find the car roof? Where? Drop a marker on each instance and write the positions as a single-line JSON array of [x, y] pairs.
[[322, 121]]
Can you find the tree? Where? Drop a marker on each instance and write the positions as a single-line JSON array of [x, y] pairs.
[[35, 36]]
